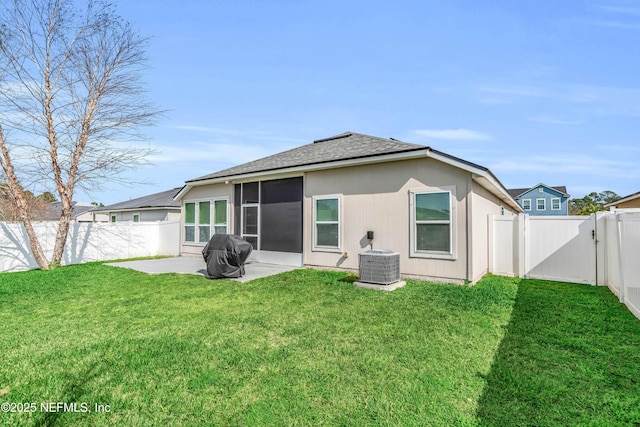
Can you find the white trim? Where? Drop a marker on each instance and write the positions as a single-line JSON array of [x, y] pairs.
[[453, 201], [105, 211], [530, 204], [307, 168], [196, 224], [483, 176], [213, 214], [314, 246], [559, 204], [544, 204]]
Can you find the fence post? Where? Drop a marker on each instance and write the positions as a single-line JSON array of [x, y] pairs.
[[523, 253], [623, 291], [491, 267]]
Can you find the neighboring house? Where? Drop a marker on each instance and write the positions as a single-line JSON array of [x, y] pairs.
[[313, 206], [154, 207], [542, 199], [82, 212], [632, 201]]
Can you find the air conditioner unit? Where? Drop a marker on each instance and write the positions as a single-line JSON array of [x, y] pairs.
[[381, 267]]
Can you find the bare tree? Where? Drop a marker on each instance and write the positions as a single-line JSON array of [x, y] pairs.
[[71, 103], [38, 207]]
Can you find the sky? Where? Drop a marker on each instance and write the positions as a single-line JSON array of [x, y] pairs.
[[540, 91]]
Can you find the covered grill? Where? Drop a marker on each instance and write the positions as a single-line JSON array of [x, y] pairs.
[[225, 255]]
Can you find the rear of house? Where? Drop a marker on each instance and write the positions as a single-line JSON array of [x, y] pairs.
[[313, 206]]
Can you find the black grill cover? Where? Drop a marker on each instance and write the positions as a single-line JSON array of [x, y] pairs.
[[225, 255]]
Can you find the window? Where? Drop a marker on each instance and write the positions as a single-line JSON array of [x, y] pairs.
[[327, 223], [555, 204], [540, 190], [198, 216], [432, 223], [114, 218], [204, 221], [541, 204], [526, 204], [220, 217], [136, 217]]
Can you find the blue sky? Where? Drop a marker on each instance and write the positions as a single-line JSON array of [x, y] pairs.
[[542, 91]]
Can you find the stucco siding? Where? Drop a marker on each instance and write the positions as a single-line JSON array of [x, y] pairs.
[[483, 204], [377, 198], [631, 204]]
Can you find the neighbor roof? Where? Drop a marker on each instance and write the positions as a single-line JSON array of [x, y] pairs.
[[345, 146], [163, 199], [624, 199], [54, 210], [517, 192]]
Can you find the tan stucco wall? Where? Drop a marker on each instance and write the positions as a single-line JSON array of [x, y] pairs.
[[376, 198], [483, 204], [631, 204]]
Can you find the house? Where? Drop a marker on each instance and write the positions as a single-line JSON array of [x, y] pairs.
[[632, 201], [154, 207], [316, 204], [542, 199], [82, 212]]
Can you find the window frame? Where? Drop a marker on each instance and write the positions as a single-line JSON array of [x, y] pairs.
[[314, 243], [544, 204], [197, 225], [215, 224], [523, 206], [113, 218], [556, 199], [414, 252]]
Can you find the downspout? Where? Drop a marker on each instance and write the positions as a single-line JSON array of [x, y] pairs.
[[469, 230]]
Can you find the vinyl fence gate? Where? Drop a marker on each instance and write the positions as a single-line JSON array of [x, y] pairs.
[[601, 249]]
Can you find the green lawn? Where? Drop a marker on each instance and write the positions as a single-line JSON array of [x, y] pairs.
[[308, 348]]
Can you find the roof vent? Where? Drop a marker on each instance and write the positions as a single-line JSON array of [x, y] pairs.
[[343, 135]]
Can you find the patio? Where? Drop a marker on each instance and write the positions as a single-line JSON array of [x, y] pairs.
[[196, 265]]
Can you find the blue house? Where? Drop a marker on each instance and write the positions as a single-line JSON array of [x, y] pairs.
[[542, 199]]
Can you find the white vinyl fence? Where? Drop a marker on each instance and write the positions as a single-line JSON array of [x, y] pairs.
[[89, 242], [622, 258], [602, 249]]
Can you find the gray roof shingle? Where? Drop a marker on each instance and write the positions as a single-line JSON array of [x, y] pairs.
[[54, 210], [345, 146], [163, 199]]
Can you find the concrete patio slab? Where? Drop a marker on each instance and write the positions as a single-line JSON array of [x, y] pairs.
[[196, 265]]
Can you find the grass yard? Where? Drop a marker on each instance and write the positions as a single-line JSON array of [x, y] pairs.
[[308, 348]]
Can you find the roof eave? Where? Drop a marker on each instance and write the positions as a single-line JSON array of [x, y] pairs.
[[482, 176], [147, 208], [480, 173], [624, 199], [404, 155]]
